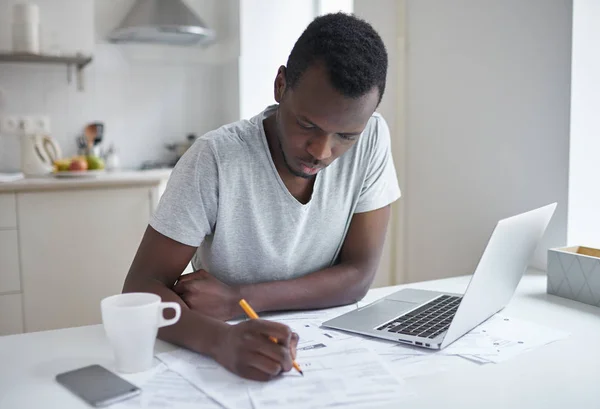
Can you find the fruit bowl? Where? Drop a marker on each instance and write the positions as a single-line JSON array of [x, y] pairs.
[[78, 167]]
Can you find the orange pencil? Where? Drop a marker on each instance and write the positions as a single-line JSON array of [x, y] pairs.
[[248, 310]]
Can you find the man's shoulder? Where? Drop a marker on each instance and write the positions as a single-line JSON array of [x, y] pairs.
[[228, 140], [231, 133], [376, 115], [375, 133], [375, 123]]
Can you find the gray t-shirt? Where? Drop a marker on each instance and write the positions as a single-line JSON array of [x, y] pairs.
[[226, 197]]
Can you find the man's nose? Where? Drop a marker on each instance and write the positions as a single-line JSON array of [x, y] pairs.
[[320, 147]]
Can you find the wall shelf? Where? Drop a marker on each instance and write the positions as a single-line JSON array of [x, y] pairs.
[[79, 61]]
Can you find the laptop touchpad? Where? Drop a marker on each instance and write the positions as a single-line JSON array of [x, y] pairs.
[[375, 314], [413, 295]]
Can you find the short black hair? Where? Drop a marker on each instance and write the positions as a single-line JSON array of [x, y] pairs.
[[352, 51]]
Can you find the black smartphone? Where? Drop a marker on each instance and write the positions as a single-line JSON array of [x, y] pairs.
[[97, 385]]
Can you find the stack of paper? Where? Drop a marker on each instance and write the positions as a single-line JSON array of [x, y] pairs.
[[334, 374], [403, 361], [496, 340], [341, 369], [501, 338]]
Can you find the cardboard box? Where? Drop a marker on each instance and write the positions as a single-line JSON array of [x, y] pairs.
[[574, 273]]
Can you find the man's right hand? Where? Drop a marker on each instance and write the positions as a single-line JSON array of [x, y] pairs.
[[246, 350]]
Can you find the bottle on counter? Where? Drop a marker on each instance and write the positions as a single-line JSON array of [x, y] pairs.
[[111, 159]]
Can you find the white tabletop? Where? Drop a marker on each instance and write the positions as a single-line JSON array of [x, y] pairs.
[[565, 374]]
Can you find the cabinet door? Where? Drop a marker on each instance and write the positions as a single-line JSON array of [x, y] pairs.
[[76, 248], [9, 262], [8, 214], [11, 316]]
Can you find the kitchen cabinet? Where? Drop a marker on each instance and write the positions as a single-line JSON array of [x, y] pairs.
[[9, 262], [77, 252], [65, 245], [11, 316], [8, 212]]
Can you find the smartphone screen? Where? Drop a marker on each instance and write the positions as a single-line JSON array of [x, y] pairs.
[[97, 386]]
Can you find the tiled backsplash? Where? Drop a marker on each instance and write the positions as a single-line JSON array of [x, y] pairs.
[[143, 106]]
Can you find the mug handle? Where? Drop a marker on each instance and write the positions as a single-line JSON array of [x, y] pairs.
[[162, 321]]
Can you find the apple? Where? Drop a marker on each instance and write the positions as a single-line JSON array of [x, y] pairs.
[[78, 164], [95, 163]]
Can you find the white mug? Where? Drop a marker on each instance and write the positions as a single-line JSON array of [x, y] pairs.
[[131, 322]]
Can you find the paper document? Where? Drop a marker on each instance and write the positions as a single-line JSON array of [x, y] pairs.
[[311, 331], [334, 374], [404, 361], [311, 315], [501, 338], [496, 340], [341, 369], [351, 377], [204, 373], [166, 389]]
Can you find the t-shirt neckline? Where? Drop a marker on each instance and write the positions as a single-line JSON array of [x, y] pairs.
[[305, 206]]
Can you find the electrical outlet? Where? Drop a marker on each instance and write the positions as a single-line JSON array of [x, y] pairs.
[[9, 125], [27, 124], [41, 124], [19, 124]]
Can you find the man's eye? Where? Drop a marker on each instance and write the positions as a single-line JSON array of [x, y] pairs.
[[305, 126], [347, 137]]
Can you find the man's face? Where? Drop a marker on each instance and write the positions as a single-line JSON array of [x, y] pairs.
[[315, 123]]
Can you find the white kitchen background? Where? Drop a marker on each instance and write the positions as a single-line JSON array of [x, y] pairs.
[[148, 95]]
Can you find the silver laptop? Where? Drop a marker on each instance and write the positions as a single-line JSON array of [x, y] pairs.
[[434, 319]]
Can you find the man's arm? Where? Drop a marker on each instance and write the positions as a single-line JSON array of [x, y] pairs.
[[344, 283], [244, 349], [157, 265]]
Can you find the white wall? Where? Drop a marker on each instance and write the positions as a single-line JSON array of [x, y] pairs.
[[268, 31], [147, 95], [386, 18], [230, 78], [333, 6], [584, 177], [488, 125]]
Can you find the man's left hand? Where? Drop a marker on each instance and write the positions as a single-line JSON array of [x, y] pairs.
[[205, 294]]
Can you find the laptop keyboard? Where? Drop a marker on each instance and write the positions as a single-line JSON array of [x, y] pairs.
[[427, 321]]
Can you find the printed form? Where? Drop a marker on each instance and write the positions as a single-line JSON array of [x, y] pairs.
[[341, 369], [165, 389], [334, 375]]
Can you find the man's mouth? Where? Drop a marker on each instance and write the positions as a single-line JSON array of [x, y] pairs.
[[309, 169]]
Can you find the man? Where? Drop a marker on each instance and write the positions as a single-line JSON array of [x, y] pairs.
[[287, 210]]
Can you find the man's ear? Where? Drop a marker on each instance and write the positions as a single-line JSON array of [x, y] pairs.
[[280, 84]]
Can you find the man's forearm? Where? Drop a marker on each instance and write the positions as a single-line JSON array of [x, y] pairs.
[[338, 285], [193, 330]]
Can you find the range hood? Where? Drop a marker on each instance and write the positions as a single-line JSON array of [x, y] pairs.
[[163, 22]]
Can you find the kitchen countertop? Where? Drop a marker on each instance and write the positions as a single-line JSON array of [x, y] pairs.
[[125, 178]]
